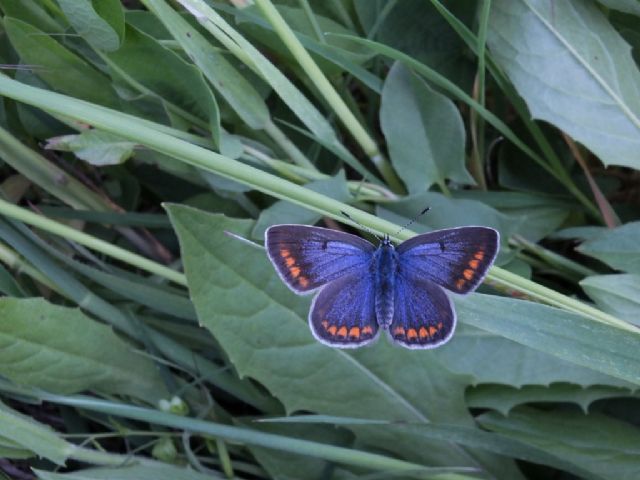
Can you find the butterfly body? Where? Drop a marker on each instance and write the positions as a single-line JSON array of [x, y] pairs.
[[385, 268], [366, 289]]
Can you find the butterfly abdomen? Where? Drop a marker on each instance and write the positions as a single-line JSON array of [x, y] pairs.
[[386, 260]]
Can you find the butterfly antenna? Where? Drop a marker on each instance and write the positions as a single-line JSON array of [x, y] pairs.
[[414, 220], [363, 227]]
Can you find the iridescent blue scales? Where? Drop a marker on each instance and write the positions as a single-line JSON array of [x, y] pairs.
[[365, 289]]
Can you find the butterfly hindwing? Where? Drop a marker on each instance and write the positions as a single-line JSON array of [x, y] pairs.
[[423, 315], [343, 314], [456, 258], [308, 257]]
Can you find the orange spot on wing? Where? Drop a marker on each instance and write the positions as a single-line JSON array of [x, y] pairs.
[[439, 325], [423, 332], [367, 330], [411, 333], [304, 282], [354, 332], [460, 283], [290, 261], [284, 253], [468, 274], [479, 255], [433, 331], [295, 271], [325, 324], [474, 264], [342, 332], [332, 329], [398, 331]]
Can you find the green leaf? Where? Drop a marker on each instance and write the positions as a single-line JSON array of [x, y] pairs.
[[25, 432], [61, 350], [91, 26], [262, 327], [503, 398], [619, 247], [601, 347], [94, 146], [627, 6], [61, 69], [595, 443], [424, 132], [595, 99], [488, 357], [159, 471], [181, 85], [286, 212], [228, 82], [31, 12], [618, 295]]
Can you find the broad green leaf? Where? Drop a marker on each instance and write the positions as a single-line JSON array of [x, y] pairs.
[[503, 398], [424, 132], [285, 212], [606, 447], [262, 327], [62, 350], [159, 471], [488, 357], [91, 26], [627, 6], [539, 215], [61, 69], [596, 98], [25, 432], [9, 449], [94, 146], [430, 40], [228, 82], [181, 85], [31, 12], [618, 295], [619, 247], [571, 337]]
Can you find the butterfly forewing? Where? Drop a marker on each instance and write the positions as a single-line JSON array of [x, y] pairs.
[[308, 257], [343, 314], [456, 258]]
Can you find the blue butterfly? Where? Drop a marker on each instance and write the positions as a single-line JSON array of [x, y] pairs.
[[364, 289]]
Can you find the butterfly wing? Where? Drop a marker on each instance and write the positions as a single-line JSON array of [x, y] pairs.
[[308, 257], [456, 258], [423, 316], [343, 314]]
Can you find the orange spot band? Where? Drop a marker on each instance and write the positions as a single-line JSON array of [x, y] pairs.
[[468, 274]]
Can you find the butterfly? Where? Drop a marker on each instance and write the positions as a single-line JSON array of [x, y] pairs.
[[364, 289]]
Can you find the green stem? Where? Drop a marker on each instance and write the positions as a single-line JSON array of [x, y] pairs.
[[327, 91], [287, 145], [24, 215], [131, 128]]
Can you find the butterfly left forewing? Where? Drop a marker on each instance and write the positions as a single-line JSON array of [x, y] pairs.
[[456, 258], [308, 257]]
